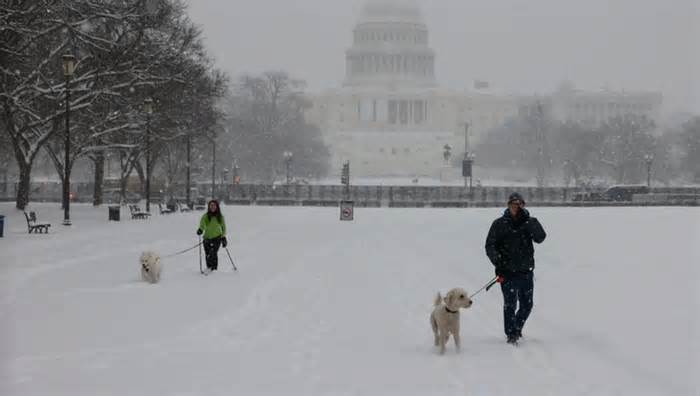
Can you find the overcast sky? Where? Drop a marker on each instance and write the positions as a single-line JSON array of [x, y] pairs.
[[522, 46]]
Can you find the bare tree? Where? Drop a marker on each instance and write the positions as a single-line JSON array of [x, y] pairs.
[[126, 51], [6, 159], [522, 144], [33, 89], [265, 117], [690, 148], [626, 141], [575, 148], [542, 127]]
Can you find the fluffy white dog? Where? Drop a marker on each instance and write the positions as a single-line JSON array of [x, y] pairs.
[[445, 317], [150, 267]]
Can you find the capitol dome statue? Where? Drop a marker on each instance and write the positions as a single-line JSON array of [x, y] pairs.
[[400, 11]]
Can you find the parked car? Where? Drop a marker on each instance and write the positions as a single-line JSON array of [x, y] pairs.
[[624, 193]]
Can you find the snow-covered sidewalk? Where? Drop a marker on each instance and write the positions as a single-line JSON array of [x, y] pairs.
[[320, 307]]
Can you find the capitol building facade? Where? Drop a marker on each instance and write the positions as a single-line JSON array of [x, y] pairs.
[[391, 118]]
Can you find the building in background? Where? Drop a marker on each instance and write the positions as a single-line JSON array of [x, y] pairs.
[[391, 118], [568, 104]]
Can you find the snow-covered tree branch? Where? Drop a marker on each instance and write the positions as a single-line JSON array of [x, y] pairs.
[[126, 51]]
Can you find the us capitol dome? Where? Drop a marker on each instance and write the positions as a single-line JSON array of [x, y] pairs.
[[390, 118], [390, 47]]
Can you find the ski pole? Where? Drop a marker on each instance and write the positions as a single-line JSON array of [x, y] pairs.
[[200, 255], [230, 259], [486, 286]]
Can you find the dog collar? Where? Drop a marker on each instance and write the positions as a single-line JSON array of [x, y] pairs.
[[448, 310]]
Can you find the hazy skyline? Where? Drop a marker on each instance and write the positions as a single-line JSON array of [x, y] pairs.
[[518, 46]]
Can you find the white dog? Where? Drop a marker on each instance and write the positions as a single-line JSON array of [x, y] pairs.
[[445, 317], [150, 267]]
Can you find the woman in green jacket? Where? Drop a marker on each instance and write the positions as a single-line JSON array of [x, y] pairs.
[[213, 226]]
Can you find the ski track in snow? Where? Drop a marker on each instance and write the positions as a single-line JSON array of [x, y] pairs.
[[320, 307]]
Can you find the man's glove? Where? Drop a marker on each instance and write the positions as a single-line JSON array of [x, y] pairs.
[[199, 231], [224, 242], [499, 279]]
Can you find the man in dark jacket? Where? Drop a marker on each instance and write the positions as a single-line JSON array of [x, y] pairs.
[[509, 247]]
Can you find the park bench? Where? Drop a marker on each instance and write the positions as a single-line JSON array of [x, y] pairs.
[[200, 204], [163, 210], [136, 213], [34, 226]]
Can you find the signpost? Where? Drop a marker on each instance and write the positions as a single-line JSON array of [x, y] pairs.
[[347, 207]]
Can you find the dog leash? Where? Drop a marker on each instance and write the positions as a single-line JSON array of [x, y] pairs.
[[183, 251], [486, 286]]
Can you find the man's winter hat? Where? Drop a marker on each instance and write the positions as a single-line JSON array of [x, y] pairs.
[[516, 197]]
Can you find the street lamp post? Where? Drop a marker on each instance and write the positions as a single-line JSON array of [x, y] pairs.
[[236, 175], [148, 108], [288, 159], [68, 70], [468, 161], [649, 159], [224, 178], [447, 153], [213, 165], [189, 170], [109, 164]]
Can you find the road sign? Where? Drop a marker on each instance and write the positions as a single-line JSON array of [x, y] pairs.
[[467, 168], [347, 209]]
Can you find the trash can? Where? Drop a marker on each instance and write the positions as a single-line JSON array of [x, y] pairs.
[[2, 225], [114, 213]]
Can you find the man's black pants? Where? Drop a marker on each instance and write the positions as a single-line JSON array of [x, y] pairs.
[[518, 289]]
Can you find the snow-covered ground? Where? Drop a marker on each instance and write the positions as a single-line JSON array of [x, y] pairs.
[[320, 307]]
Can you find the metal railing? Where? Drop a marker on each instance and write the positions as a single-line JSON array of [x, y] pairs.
[[385, 196]]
